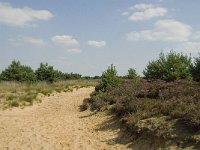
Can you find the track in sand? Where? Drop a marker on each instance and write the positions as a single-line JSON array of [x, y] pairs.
[[57, 124]]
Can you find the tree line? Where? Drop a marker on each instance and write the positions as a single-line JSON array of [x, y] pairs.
[[18, 72], [170, 67]]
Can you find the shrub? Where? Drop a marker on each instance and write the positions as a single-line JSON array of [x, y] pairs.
[[152, 100], [18, 72], [84, 106], [132, 74], [196, 69], [96, 77], [72, 76], [173, 66], [21, 73], [14, 103], [109, 78], [47, 73]]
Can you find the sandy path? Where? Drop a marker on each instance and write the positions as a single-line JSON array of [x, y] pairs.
[[57, 124]]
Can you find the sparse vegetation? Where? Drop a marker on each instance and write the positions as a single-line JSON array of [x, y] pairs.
[[16, 94], [20, 85]]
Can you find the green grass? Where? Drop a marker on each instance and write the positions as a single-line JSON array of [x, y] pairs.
[[15, 94]]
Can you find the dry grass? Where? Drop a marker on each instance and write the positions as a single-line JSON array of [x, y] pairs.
[[14, 94]]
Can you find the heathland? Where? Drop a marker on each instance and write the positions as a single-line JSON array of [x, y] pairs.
[[48, 109]]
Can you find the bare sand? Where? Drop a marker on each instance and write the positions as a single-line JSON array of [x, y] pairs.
[[57, 124]]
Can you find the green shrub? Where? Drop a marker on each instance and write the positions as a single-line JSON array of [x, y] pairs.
[[196, 69], [13, 103], [72, 76], [47, 73], [173, 66], [132, 74], [109, 78], [18, 72]]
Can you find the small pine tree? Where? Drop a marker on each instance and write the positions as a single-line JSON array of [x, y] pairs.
[[132, 74], [18, 72], [173, 66], [195, 69], [47, 73], [109, 78]]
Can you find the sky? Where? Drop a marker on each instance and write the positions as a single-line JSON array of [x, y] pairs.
[[86, 36]]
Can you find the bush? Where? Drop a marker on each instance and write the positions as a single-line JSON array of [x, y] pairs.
[[72, 76], [171, 67], [109, 78], [96, 77], [47, 73], [18, 72], [132, 74], [164, 109], [196, 69]]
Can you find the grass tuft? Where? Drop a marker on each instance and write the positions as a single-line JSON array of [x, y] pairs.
[[15, 94]]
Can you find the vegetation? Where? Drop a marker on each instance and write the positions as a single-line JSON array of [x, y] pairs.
[[132, 74], [165, 107], [72, 76], [20, 85], [173, 66], [165, 104], [15, 94], [47, 73], [109, 78], [18, 72], [196, 69], [166, 110]]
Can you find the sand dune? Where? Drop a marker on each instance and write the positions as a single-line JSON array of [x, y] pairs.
[[57, 124]]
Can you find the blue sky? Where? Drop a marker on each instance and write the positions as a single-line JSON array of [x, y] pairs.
[[86, 36]]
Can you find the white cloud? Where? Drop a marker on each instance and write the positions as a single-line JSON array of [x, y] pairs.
[[164, 30], [148, 14], [34, 41], [146, 11], [141, 35], [21, 16], [142, 6], [65, 40], [20, 41], [97, 44], [74, 50], [125, 13], [189, 47], [196, 35]]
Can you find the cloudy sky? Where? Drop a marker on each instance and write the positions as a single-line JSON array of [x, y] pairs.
[[86, 36]]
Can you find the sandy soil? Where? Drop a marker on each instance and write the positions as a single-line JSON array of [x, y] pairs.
[[57, 124]]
